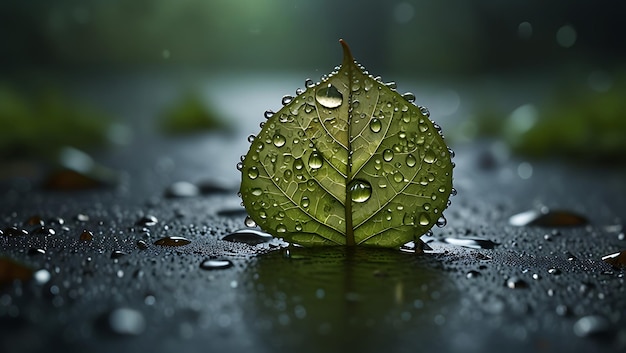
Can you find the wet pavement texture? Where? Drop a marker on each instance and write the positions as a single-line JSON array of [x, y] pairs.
[[142, 265]]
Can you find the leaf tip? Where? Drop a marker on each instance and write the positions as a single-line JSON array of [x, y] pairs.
[[347, 54]]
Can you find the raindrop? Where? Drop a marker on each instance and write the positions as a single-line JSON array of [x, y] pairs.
[[256, 191], [211, 264], [36, 251], [42, 276], [315, 160], [424, 219], [591, 325], [360, 190], [279, 140], [126, 322], [548, 218], [281, 228], [286, 99], [305, 202], [142, 245], [430, 157], [391, 85], [472, 274], [268, 114], [308, 83], [329, 97], [375, 125], [82, 217], [409, 97], [147, 221], [425, 112], [410, 160], [617, 259], [387, 155], [253, 172], [474, 243], [398, 177], [249, 222], [554, 271], [516, 283], [248, 236], [116, 254], [172, 241], [441, 222], [15, 232], [86, 235], [181, 189]]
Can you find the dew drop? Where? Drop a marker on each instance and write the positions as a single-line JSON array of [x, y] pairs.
[[279, 140], [281, 228], [329, 97], [315, 160], [410, 160], [398, 177], [256, 191], [172, 241], [253, 172], [387, 155], [425, 112], [308, 83], [212, 264], [360, 190], [268, 114], [305, 202], [424, 219], [375, 125], [441, 222], [430, 157]]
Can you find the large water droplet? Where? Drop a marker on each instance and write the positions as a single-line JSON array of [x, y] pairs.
[[375, 125], [388, 155], [279, 140], [172, 241], [430, 157], [211, 264], [329, 97], [360, 190], [249, 222], [315, 160], [410, 160], [424, 219], [253, 172], [248, 236]]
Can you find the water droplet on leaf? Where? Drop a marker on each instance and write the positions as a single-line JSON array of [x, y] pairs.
[[360, 190], [329, 97]]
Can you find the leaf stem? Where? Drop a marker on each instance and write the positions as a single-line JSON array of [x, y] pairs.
[[348, 63]]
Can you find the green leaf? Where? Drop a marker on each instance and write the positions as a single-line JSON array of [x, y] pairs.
[[349, 161]]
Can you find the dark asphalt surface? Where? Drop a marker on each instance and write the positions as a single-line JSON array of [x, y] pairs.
[[541, 288]]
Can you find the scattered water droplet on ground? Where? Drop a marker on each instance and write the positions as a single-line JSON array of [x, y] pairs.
[[116, 254], [516, 283], [182, 189], [591, 325], [126, 322], [86, 235], [547, 218], [211, 264], [172, 241], [617, 259], [248, 236], [142, 245], [360, 190], [329, 97], [147, 221], [474, 243]]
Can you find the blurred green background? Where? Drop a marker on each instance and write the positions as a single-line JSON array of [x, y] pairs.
[[547, 78]]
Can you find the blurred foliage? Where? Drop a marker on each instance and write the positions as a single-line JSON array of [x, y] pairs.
[[190, 114], [40, 124], [577, 124]]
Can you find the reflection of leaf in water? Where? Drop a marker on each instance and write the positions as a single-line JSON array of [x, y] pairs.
[[349, 161], [334, 296]]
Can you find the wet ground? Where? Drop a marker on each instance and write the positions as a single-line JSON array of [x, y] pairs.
[[102, 269]]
